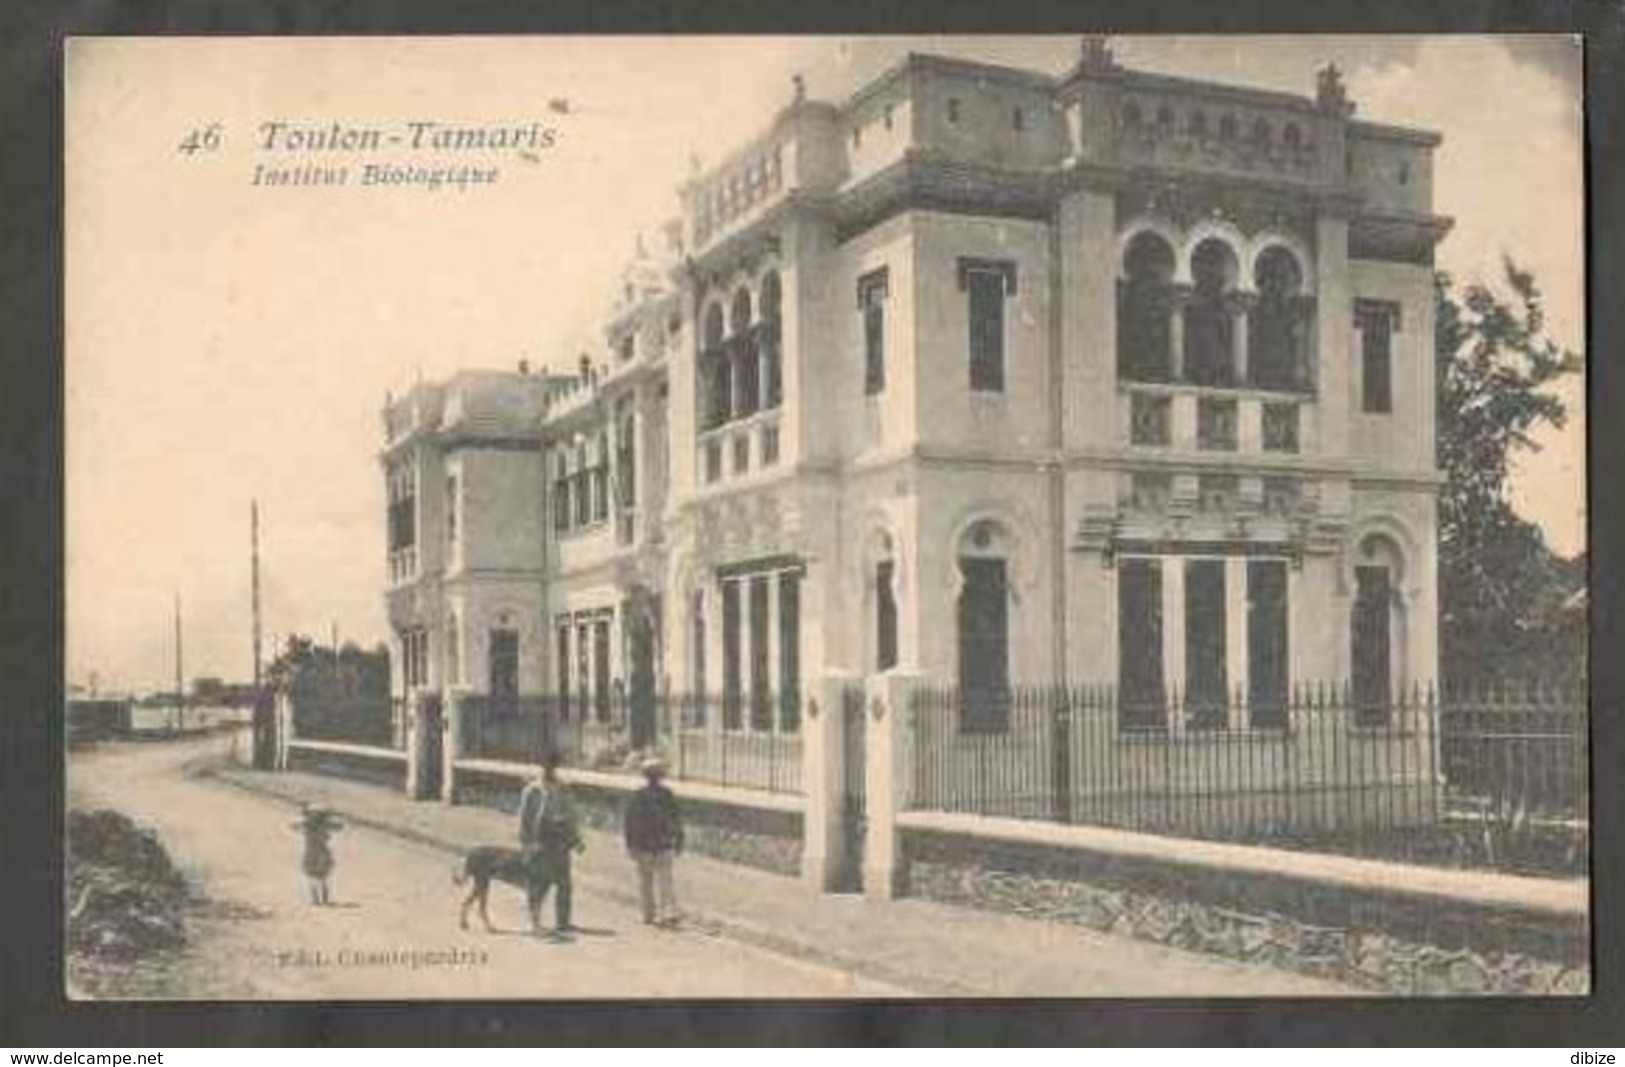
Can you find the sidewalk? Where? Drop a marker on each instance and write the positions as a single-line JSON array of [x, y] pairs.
[[932, 949]]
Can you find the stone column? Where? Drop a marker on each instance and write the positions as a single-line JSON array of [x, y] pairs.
[[1240, 308], [823, 770], [886, 717], [1179, 298], [414, 742]]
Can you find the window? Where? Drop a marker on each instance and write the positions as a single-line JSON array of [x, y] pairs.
[[1227, 127], [770, 445], [583, 654], [1197, 124], [761, 701], [1141, 697], [716, 381], [988, 282], [789, 651], [626, 470], [1278, 324], [743, 355], [1206, 681], [454, 666], [403, 509], [561, 491], [581, 491], [1144, 306], [771, 343], [503, 653], [1372, 639], [451, 509], [1280, 427], [629, 344], [1165, 117], [872, 292], [732, 682], [953, 109], [697, 658], [1215, 424], [1131, 114], [600, 479], [713, 460], [984, 654], [885, 616], [1150, 419], [562, 669], [1018, 119], [1267, 643], [1209, 326], [600, 669], [1378, 321], [741, 454]]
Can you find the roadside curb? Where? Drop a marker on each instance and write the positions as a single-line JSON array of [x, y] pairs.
[[712, 923]]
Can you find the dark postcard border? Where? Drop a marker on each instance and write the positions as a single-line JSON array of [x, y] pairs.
[[32, 1010]]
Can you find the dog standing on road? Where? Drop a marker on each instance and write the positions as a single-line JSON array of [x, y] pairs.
[[487, 863]]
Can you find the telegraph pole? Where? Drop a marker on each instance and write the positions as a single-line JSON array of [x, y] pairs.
[[254, 535], [180, 690]]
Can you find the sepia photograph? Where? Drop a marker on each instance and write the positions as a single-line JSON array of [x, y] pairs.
[[812, 517]]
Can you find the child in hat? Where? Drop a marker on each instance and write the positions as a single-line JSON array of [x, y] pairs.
[[318, 825]]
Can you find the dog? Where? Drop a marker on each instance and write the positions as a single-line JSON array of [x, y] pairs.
[[485, 864]]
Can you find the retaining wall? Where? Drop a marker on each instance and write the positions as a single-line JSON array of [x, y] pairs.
[[363, 763]]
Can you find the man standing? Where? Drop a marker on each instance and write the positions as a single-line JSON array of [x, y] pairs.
[[549, 833], [654, 836]]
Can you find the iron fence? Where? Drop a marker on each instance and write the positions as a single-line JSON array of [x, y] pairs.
[[697, 740], [1480, 776]]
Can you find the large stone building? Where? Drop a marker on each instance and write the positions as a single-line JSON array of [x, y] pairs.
[[983, 374]]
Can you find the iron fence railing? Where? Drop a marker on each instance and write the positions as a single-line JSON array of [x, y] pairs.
[[1479, 776], [755, 746]]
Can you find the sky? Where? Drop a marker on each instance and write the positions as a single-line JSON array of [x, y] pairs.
[[226, 342]]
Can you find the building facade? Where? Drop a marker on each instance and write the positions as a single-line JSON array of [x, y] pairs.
[[984, 375]]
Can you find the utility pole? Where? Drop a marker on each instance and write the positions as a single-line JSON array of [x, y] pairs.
[[180, 689], [254, 535]]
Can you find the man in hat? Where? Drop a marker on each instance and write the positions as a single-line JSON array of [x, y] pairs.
[[549, 832], [654, 837]]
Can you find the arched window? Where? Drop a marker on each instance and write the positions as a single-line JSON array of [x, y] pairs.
[[1277, 333], [1261, 132], [747, 375], [1143, 308], [1165, 117], [1227, 127], [984, 627], [1376, 628], [1131, 115], [1197, 125], [1291, 135], [715, 373], [771, 345], [1209, 332]]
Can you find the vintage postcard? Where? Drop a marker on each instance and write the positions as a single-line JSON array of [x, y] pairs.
[[821, 517]]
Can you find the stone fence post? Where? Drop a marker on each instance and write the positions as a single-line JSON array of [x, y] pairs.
[[823, 771], [451, 747], [887, 709]]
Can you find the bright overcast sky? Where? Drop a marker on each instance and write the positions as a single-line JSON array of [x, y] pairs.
[[226, 342]]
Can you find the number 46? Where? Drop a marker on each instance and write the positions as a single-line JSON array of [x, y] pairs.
[[205, 140]]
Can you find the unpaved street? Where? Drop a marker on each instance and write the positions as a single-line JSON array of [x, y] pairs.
[[396, 903]]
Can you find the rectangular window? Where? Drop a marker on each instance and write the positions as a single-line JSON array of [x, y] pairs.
[[562, 661], [600, 669], [1267, 643], [741, 453], [452, 505], [789, 651], [1280, 427], [583, 655], [626, 470], [1206, 679], [1142, 699], [732, 681], [984, 653], [761, 701], [561, 504], [1150, 419], [583, 498], [713, 460], [403, 506], [1372, 653], [697, 660], [885, 617], [1378, 321], [1216, 424], [986, 330], [872, 292]]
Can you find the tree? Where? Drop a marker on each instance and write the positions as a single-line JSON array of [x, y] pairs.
[[1501, 589]]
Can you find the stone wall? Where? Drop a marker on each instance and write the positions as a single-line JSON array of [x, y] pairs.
[[385, 767], [766, 839], [1390, 945]]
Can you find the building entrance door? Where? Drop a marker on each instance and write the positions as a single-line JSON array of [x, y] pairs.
[[431, 737], [641, 654]]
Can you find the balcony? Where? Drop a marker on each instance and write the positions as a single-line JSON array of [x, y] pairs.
[[1188, 418], [739, 449], [403, 565]]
